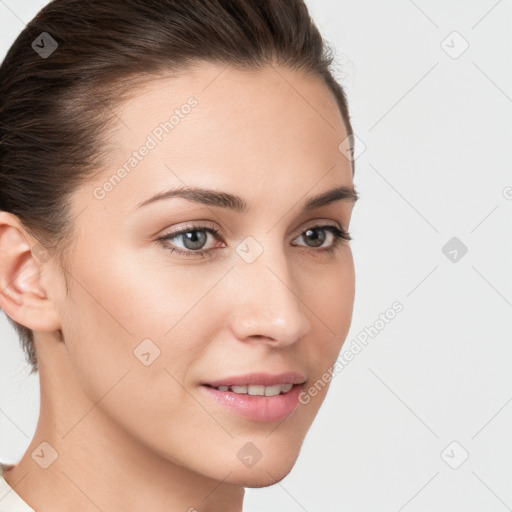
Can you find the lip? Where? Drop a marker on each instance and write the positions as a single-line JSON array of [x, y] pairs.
[[261, 378], [257, 408]]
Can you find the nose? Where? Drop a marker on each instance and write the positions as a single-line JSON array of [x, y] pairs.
[[266, 305]]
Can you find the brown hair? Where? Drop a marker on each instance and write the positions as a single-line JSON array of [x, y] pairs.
[[55, 108]]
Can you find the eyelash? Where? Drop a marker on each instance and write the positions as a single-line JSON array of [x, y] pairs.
[[339, 236]]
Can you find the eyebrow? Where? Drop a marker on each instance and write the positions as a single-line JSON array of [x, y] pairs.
[[236, 203]]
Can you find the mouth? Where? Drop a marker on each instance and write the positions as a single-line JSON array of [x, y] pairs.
[[255, 389], [258, 397]]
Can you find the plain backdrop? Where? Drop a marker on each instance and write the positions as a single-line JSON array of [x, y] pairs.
[[421, 418]]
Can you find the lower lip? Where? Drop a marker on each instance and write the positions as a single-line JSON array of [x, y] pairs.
[[258, 408]]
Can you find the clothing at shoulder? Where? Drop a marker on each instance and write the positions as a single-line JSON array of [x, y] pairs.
[[9, 500]]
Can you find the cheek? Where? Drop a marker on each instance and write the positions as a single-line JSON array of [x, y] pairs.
[[115, 330], [137, 296], [330, 302], [329, 292], [127, 314]]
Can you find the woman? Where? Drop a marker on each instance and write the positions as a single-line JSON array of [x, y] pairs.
[[175, 370]]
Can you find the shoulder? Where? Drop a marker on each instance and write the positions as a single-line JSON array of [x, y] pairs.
[[9, 500]]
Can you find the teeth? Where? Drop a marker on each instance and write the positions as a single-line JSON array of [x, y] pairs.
[[272, 390], [258, 390]]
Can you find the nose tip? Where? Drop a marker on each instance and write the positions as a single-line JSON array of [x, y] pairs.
[[269, 309]]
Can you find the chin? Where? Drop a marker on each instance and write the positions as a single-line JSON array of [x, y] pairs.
[[263, 474], [265, 480]]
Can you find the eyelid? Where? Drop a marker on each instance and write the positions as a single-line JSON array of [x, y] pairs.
[[202, 225], [198, 226], [322, 223], [335, 230]]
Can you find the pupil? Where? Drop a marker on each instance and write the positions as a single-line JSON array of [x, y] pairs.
[[317, 240], [196, 241]]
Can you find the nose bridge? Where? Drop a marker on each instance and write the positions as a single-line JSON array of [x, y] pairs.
[[266, 303]]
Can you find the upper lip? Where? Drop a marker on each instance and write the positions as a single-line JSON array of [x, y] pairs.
[[261, 378]]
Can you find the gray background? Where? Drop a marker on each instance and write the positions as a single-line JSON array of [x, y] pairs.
[[436, 131]]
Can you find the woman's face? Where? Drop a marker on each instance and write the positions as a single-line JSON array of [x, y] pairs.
[[146, 327]]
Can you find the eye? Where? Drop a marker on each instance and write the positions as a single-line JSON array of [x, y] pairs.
[[194, 239], [316, 235]]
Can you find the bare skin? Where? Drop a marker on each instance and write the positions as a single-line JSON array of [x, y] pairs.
[[132, 437]]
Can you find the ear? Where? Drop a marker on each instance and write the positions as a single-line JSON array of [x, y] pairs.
[[22, 294]]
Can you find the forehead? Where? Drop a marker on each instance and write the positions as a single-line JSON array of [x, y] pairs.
[[253, 106], [267, 131], [228, 88]]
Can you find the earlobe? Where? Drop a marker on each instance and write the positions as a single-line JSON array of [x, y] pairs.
[[22, 295]]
